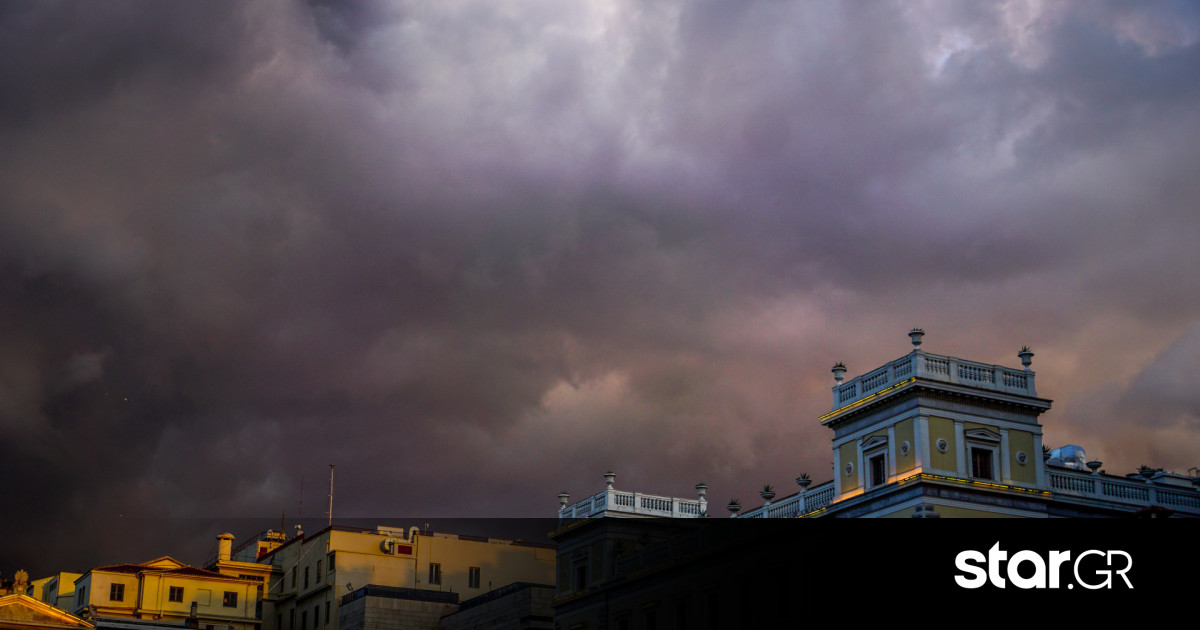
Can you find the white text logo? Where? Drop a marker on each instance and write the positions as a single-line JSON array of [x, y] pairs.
[[977, 569]]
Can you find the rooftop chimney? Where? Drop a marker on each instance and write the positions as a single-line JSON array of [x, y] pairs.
[[224, 545]]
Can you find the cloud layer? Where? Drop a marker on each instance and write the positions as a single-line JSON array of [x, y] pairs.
[[476, 253]]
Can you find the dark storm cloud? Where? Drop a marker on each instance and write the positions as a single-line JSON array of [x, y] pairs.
[[476, 253]]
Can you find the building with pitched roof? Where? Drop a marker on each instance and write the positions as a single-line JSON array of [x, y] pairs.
[[166, 593]]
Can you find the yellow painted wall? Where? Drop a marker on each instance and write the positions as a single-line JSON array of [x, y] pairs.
[[942, 428], [499, 564], [57, 590], [848, 452], [99, 589], [904, 433], [1022, 441], [147, 597], [359, 559]]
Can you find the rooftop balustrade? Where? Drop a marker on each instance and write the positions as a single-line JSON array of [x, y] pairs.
[[613, 502], [933, 367], [798, 504], [1133, 492]]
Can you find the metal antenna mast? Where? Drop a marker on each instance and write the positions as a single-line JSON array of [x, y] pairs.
[[331, 494]]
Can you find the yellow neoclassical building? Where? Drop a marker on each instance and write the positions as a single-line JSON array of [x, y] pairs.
[[931, 435], [166, 593], [922, 436]]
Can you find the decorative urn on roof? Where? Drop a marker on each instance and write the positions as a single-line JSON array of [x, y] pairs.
[[803, 481], [839, 372], [1026, 356]]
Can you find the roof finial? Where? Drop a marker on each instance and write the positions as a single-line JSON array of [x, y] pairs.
[[1026, 356], [839, 372], [915, 335]]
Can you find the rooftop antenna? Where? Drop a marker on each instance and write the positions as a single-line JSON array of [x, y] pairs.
[[331, 495]]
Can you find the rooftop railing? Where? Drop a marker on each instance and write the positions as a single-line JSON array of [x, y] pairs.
[[618, 502], [933, 367], [1135, 493], [796, 505]]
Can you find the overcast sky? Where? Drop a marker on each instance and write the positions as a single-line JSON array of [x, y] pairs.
[[478, 252]]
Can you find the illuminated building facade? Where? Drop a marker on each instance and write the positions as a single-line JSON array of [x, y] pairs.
[[929, 435], [923, 436], [348, 577], [57, 590], [166, 593]]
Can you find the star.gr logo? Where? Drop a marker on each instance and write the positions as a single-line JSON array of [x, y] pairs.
[[1092, 569]]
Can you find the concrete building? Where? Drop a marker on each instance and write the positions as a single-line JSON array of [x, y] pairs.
[[404, 575]]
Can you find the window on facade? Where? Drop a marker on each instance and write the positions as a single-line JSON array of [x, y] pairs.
[[877, 469], [318, 570], [176, 594], [303, 619], [230, 599], [331, 563], [983, 453], [116, 592], [981, 463], [327, 611], [875, 460], [580, 577], [293, 577], [316, 615], [473, 577], [435, 573], [305, 577], [81, 596]]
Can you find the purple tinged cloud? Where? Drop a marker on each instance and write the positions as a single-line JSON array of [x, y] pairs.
[[475, 253]]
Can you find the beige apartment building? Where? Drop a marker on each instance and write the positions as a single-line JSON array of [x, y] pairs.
[[412, 577]]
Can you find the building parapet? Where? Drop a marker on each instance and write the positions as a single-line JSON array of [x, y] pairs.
[[1132, 492], [613, 502], [933, 367], [798, 504]]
